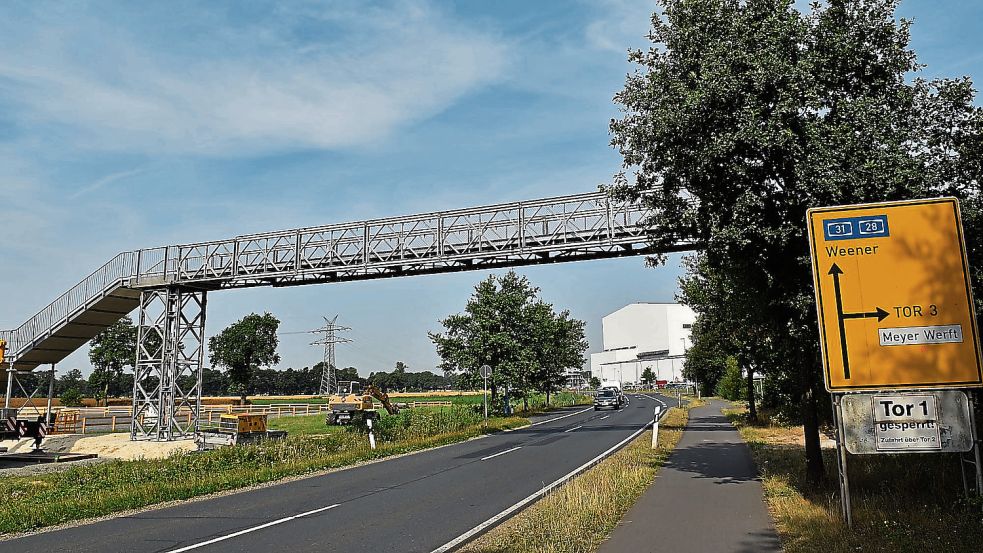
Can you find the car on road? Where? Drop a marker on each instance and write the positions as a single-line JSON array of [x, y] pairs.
[[608, 398]]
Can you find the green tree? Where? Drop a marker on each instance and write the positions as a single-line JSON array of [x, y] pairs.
[[748, 112], [648, 377], [731, 385], [595, 382], [558, 343], [245, 346], [71, 397], [71, 379], [506, 327], [110, 352]]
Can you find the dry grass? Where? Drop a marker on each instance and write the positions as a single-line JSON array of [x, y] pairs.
[[578, 516], [901, 503]]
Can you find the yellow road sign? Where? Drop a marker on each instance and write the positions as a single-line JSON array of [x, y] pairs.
[[3, 349], [893, 295]]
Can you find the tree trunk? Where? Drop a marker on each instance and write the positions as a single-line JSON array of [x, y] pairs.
[[815, 472], [242, 397], [105, 395], [752, 411], [547, 397]]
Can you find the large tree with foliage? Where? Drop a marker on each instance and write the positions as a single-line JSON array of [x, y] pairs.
[[745, 113], [111, 351], [245, 346], [558, 343], [506, 327]]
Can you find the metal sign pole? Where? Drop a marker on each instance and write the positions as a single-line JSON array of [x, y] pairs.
[[10, 385], [485, 371], [51, 393], [841, 466], [976, 444]]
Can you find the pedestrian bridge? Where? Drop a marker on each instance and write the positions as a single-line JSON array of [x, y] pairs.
[[169, 284]]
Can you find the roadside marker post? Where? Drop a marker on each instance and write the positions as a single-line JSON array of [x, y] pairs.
[[655, 426], [897, 327], [371, 433]]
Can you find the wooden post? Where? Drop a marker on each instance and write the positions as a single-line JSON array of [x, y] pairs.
[[112, 427]]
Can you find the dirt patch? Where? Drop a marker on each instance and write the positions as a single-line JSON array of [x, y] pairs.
[[108, 446]]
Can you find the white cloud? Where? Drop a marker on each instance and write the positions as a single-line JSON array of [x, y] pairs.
[[622, 24], [322, 78]]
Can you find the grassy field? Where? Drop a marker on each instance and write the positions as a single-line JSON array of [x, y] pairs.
[[28, 503], [578, 516], [303, 425], [901, 503], [536, 401]]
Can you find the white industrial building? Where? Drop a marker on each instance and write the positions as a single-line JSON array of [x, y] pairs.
[[644, 335]]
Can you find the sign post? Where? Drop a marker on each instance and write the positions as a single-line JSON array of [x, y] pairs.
[[896, 312], [485, 371]]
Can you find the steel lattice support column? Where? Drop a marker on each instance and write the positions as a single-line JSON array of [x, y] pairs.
[[170, 355]]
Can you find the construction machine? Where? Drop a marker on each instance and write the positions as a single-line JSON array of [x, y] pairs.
[[353, 403], [235, 429]]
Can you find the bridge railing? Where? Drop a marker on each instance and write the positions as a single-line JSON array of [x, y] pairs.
[[514, 228], [74, 301]]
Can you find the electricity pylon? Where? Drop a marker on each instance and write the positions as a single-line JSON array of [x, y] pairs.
[[329, 379]]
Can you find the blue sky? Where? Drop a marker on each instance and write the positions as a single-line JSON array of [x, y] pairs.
[[125, 125]]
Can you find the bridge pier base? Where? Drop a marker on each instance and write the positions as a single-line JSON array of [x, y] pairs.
[[169, 361]]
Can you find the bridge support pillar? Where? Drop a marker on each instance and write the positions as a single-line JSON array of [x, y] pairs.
[[170, 356]]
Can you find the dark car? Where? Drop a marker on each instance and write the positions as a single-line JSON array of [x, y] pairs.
[[607, 398]]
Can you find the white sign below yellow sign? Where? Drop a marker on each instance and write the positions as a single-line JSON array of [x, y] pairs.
[[914, 422]]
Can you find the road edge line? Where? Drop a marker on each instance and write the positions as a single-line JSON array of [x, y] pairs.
[[467, 536]]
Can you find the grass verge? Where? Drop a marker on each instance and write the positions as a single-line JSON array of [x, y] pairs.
[[303, 425], [28, 503], [577, 516], [901, 503]]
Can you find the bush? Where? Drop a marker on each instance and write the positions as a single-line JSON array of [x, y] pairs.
[[71, 398], [731, 385]]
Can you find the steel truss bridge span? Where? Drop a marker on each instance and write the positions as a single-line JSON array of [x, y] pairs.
[[169, 284]]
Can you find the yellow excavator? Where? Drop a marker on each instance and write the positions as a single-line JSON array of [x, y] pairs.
[[350, 403]]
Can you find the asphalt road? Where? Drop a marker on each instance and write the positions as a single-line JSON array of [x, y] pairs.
[[414, 503]]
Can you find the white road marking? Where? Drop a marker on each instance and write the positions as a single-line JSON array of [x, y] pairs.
[[507, 512], [664, 406], [501, 453], [574, 428], [253, 529], [563, 417], [604, 417]]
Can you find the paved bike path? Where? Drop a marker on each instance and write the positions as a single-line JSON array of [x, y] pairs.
[[706, 498]]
